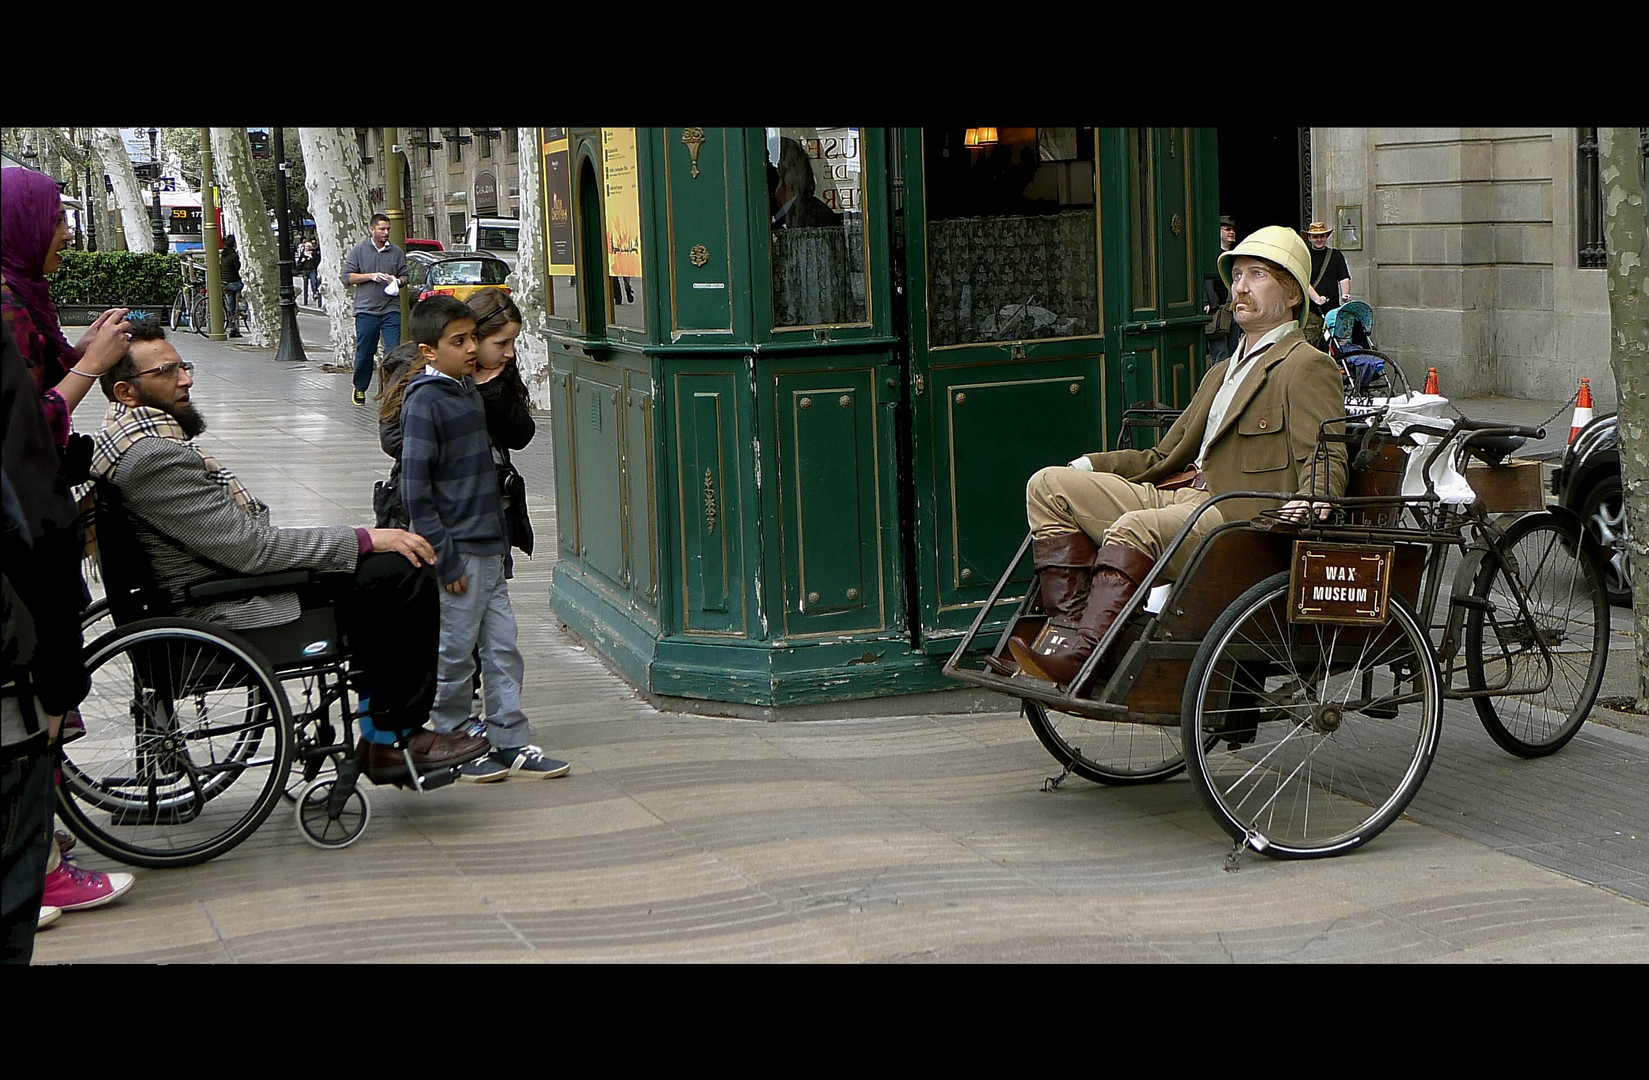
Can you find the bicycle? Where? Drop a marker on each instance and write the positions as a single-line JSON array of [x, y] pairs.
[[1297, 670], [236, 316], [189, 305]]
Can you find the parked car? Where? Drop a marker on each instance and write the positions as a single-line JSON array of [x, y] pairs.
[[497, 236], [414, 243], [1588, 483], [454, 273]]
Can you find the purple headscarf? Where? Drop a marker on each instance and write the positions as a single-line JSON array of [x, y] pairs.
[[29, 205]]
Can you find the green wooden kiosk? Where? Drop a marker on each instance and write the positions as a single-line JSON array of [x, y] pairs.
[[801, 375]]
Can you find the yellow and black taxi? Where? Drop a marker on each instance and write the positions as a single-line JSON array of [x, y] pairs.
[[454, 273]]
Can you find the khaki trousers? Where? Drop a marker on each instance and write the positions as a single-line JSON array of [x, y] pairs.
[[1112, 510]]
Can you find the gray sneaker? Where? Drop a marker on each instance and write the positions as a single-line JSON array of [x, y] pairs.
[[528, 762], [484, 770]]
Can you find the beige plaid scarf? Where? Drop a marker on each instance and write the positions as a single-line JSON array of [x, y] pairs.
[[123, 427]]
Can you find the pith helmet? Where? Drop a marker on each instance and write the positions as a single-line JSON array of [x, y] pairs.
[[1279, 245]]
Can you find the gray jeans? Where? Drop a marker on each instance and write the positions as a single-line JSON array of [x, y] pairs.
[[481, 618]]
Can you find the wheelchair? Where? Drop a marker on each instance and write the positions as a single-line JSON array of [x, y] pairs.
[[1296, 670], [191, 740]]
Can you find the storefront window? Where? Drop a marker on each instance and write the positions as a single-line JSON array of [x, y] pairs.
[[1012, 244], [815, 197]]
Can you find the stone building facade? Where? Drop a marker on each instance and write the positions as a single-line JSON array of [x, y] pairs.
[[1471, 254], [454, 174]]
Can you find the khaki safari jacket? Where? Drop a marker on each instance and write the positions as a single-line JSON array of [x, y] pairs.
[[1267, 439]]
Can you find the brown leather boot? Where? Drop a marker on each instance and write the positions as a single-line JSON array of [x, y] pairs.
[[1060, 655], [1064, 563]]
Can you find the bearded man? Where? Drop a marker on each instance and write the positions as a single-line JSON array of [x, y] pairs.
[[194, 521]]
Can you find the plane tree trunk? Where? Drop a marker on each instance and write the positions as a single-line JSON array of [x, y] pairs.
[[246, 218], [130, 206], [1626, 231], [335, 181]]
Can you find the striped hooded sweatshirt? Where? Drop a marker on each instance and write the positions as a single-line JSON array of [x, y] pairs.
[[448, 482]]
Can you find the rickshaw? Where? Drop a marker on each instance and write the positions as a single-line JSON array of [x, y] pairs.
[[1296, 670]]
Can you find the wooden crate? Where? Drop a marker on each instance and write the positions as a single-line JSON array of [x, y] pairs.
[[1512, 488]]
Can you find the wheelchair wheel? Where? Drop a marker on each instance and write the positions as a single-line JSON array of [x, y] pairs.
[[1570, 608], [96, 620], [1105, 751], [1313, 737], [186, 749], [329, 818]]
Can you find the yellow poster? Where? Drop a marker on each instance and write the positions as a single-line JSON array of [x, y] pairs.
[[621, 202]]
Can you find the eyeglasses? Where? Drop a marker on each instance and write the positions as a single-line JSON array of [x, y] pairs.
[[166, 371]]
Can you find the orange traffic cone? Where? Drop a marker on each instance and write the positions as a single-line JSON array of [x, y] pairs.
[[1583, 409], [1431, 383]]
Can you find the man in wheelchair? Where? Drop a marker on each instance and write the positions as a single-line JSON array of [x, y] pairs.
[[1099, 524], [193, 522]]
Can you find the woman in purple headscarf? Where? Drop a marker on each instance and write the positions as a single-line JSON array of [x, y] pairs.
[[34, 231]]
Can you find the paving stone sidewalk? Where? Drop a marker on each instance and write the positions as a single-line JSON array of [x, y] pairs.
[[682, 838]]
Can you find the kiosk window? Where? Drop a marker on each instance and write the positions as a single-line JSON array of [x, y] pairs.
[[1012, 246], [815, 205]]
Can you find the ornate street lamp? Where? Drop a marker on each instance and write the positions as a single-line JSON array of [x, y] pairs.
[[86, 211], [291, 346], [159, 223]]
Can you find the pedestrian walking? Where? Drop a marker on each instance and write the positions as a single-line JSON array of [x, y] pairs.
[[377, 269]]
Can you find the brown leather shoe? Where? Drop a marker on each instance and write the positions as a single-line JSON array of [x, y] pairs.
[[1060, 655], [434, 750], [430, 750]]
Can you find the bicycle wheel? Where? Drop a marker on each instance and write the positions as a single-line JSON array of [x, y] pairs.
[[180, 308], [186, 749], [1569, 609], [1105, 751], [198, 317], [1303, 754]]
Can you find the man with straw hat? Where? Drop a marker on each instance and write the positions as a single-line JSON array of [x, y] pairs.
[[1099, 523], [1330, 277]]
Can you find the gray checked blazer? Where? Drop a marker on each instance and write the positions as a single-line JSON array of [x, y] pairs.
[[192, 531]]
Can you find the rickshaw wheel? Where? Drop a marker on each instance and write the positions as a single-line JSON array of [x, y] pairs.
[[1105, 751], [1313, 737], [1570, 606]]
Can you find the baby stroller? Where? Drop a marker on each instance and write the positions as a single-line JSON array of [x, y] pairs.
[[1348, 332]]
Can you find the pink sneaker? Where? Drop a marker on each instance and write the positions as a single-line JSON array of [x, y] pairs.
[[73, 889]]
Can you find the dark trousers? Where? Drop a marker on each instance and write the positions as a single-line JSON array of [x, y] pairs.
[[26, 810], [368, 328], [392, 622]]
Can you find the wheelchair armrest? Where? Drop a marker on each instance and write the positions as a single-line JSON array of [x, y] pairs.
[[228, 588]]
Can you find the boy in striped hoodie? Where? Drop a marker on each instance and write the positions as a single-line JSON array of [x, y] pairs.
[[450, 490]]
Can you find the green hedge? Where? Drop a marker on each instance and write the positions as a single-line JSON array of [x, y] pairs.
[[115, 277]]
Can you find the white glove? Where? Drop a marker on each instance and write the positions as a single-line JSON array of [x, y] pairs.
[[1082, 464], [393, 288]]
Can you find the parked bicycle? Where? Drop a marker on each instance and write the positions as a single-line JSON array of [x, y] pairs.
[[189, 310]]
